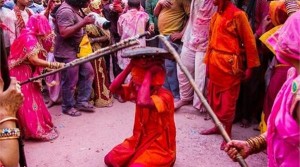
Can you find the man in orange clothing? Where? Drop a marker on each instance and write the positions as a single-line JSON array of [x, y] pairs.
[[231, 50], [153, 140]]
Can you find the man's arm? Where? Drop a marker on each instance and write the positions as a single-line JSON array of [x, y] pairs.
[[178, 35], [68, 31], [160, 5]]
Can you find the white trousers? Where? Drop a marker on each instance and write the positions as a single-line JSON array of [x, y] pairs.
[[193, 61]]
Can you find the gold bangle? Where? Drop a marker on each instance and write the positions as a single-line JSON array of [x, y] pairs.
[[9, 138], [9, 119], [257, 144]]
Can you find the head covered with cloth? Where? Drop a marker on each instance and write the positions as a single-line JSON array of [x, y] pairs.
[[153, 139], [145, 58]]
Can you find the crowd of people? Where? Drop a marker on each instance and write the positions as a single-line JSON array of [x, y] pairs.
[[237, 55]]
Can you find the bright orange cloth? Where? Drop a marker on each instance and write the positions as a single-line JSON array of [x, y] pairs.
[[223, 103], [153, 140], [225, 55]]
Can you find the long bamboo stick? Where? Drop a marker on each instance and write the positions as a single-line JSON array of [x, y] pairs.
[[97, 54], [220, 126]]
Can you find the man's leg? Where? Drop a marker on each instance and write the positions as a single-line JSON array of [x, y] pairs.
[[69, 78], [186, 90], [86, 77], [200, 78], [171, 81]]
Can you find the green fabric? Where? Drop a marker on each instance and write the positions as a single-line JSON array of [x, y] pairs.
[[150, 5]]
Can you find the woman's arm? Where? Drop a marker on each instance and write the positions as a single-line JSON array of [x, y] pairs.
[[36, 61], [10, 101]]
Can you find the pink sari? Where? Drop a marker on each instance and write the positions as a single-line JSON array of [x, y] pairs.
[[283, 129], [33, 115]]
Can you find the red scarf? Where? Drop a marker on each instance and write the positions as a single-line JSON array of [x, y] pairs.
[[20, 21]]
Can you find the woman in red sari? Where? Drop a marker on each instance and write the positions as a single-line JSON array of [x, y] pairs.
[[153, 140], [27, 59]]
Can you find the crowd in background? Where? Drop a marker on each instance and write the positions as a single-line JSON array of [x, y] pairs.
[[229, 48]]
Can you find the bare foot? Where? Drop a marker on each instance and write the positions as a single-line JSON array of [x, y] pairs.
[[180, 103], [207, 117], [211, 131], [50, 104]]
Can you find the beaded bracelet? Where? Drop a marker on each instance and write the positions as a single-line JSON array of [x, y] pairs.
[[8, 119], [9, 133], [291, 6], [257, 144]]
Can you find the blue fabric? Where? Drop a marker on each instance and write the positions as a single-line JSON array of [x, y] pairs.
[[36, 8], [80, 77], [9, 4], [171, 80]]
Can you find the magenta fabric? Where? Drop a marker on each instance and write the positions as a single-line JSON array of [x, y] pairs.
[[35, 120], [287, 37], [283, 130]]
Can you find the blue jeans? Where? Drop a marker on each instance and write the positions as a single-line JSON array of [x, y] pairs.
[[80, 76], [171, 80]]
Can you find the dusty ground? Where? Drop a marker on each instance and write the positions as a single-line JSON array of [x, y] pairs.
[[84, 140]]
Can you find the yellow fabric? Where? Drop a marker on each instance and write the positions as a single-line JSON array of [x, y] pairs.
[[172, 19], [277, 12], [266, 35], [262, 124], [85, 47], [159, 104]]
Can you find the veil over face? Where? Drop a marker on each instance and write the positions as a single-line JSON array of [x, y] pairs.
[[35, 38], [142, 65]]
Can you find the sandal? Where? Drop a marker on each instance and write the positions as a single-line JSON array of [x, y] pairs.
[[85, 107], [72, 112]]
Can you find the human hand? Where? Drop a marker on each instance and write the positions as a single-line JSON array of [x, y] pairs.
[[151, 28], [234, 147], [56, 65], [166, 3], [89, 19], [10, 99], [176, 36]]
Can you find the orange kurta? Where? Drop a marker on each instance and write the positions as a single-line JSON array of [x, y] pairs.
[[153, 140], [231, 41], [232, 49]]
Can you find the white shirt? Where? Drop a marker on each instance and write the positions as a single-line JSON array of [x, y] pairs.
[[8, 18]]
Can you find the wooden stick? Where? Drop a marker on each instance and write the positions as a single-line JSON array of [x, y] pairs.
[[220, 126], [97, 54]]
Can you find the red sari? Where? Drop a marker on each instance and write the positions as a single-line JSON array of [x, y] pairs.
[[153, 140]]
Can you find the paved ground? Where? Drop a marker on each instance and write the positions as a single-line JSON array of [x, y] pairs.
[[84, 140]]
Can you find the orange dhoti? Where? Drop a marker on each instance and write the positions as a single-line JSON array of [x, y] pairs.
[[223, 103]]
